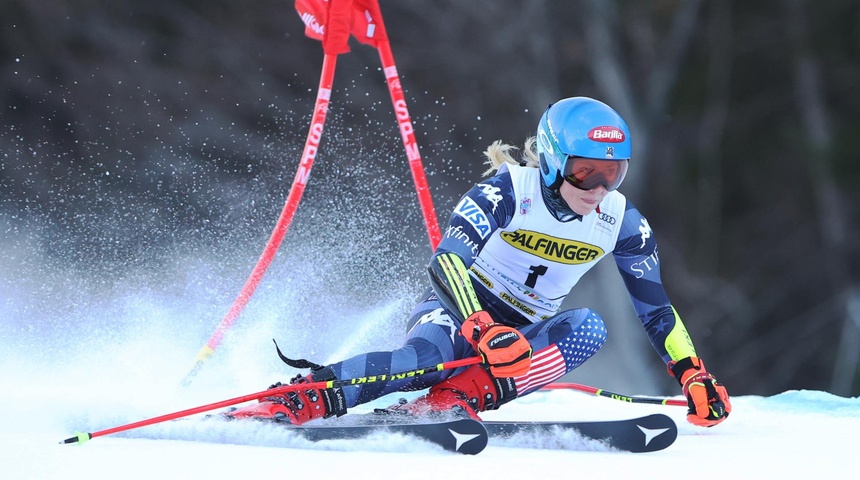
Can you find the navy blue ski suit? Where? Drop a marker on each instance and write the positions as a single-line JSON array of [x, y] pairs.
[[503, 243]]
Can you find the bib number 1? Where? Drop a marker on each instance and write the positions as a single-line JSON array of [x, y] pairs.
[[537, 270]]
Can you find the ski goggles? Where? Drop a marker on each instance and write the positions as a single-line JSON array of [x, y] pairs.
[[587, 173]]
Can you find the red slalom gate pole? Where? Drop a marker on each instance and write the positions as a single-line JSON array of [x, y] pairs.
[[407, 133], [340, 18], [302, 174], [615, 396]]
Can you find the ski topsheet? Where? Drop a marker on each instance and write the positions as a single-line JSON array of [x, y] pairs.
[[462, 436], [644, 434]]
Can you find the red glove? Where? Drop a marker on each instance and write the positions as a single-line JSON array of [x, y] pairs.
[[708, 401], [503, 348]]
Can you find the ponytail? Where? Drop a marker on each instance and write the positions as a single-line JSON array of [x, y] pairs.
[[499, 153]]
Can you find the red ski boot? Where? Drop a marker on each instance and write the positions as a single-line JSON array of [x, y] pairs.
[[465, 394], [297, 407]]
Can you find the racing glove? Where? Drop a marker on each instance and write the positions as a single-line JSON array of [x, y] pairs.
[[707, 401], [505, 350]]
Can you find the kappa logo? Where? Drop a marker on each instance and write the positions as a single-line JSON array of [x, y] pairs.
[[440, 318], [472, 213], [645, 230], [492, 194], [554, 249]]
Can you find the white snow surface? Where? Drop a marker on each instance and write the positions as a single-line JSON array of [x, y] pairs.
[[105, 364], [796, 434]]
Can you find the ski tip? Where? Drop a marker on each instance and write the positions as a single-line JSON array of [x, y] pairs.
[[79, 438]]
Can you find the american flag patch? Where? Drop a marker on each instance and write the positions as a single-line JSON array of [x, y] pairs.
[[549, 364]]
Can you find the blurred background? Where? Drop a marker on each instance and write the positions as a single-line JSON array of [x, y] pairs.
[[147, 148]]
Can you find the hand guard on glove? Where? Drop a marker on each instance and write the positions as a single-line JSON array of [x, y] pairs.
[[504, 349], [708, 401]]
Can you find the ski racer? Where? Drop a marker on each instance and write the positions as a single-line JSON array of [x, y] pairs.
[[514, 247]]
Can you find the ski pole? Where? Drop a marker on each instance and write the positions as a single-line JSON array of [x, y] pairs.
[[83, 437], [615, 396]]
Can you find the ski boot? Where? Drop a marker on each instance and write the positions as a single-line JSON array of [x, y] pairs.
[[464, 395], [297, 407]]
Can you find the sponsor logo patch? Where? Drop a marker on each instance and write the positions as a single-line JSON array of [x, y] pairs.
[[605, 217], [640, 269], [525, 205], [515, 302], [645, 230], [492, 194], [472, 213], [458, 233], [606, 134], [553, 249], [486, 281], [503, 340]]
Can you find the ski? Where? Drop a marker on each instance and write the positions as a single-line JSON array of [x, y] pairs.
[[464, 436], [644, 434]]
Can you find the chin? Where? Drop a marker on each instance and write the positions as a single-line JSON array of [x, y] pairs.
[[584, 210]]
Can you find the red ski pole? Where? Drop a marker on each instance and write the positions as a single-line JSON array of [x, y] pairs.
[[83, 437], [308, 154], [615, 396]]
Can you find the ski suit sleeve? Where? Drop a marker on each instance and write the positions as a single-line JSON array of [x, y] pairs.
[[484, 208], [639, 263]]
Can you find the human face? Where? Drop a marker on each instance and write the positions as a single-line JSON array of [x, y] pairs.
[[581, 201]]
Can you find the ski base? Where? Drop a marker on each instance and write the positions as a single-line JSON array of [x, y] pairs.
[[644, 434]]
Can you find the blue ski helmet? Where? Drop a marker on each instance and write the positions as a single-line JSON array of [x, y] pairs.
[[580, 127]]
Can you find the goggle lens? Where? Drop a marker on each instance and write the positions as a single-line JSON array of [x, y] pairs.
[[588, 173]]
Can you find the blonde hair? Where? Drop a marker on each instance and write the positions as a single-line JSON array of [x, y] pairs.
[[499, 153]]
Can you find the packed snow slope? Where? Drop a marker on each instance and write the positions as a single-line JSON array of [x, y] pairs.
[[84, 350], [47, 398]]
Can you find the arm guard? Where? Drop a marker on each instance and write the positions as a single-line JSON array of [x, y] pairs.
[[678, 343], [452, 284]]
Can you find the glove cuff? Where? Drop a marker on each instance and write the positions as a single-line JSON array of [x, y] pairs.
[[475, 326], [681, 368]]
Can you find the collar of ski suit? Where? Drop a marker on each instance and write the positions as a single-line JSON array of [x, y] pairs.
[[557, 206]]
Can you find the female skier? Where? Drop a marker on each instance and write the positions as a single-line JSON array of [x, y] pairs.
[[514, 247]]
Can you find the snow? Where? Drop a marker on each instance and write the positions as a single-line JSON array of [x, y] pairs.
[[799, 434], [79, 357]]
